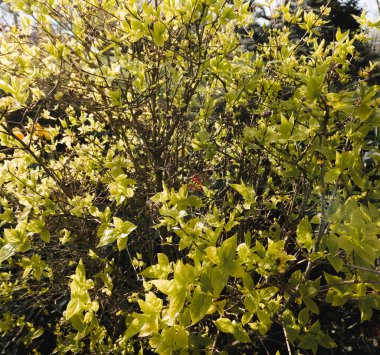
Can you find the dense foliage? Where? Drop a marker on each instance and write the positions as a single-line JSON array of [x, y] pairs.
[[339, 16], [165, 189]]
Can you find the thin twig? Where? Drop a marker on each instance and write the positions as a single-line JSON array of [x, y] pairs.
[[362, 268], [287, 341]]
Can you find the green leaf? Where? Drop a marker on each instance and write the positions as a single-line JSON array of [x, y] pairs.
[[77, 322], [345, 242], [160, 270], [109, 236], [121, 243], [177, 300], [231, 222], [227, 250], [191, 201], [340, 37], [80, 272], [309, 341], [123, 228], [19, 237], [285, 128], [6, 87], [154, 272], [304, 234], [247, 192], [7, 251], [151, 305], [240, 334], [75, 306], [35, 225], [310, 304], [292, 332], [134, 327], [181, 338], [332, 175], [120, 233], [213, 255], [303, 316], [235, 269], [120, 188], [184, 275], [243, 252], [163, 260], [246, 317], [263, 317], [332, 243], [365, 307], [37, 333], [24, 246], [200, 304], [224, 325], [326, 341], [251, 303], [45, 235], [314, 88], [158, 33], [165, 286], [264, 322], [115, 97], [336, 262], [219, 278], [364, 111]]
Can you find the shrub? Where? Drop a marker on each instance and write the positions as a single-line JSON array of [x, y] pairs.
[[164, 189]]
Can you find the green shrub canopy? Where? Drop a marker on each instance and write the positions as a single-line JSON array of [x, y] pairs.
[[165, 189]]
